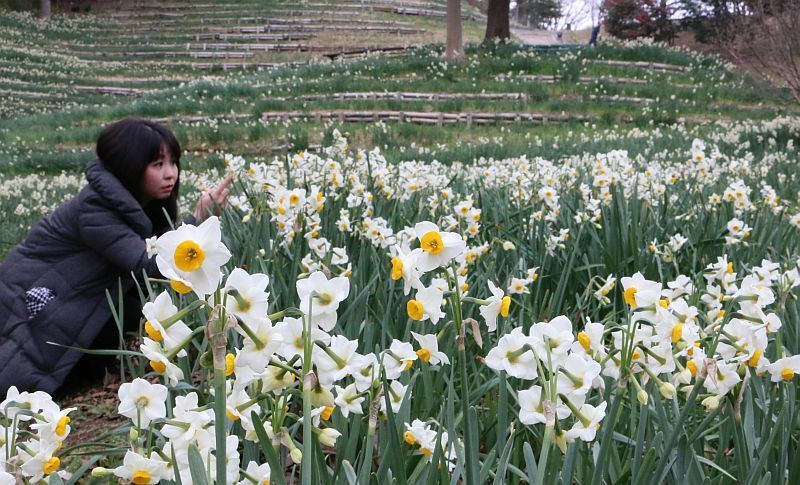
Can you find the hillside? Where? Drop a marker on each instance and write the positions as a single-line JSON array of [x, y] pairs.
[[257, 80], [197, 68]]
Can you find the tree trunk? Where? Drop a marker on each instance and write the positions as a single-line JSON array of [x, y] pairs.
[[497, 23], [455, 46], [44, 9]]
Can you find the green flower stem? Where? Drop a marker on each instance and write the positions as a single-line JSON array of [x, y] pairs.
[[287, 312], [178, 424], [512, 356], [583, 419], [247, 404], [308, 385], [168, 322], [216, 331], [546, 445], [241, 301], [284, 367], [172, 353], [652, 375], [477, 301], [333, 355], [277, 315], [576, 380], [249, 331], [471, 466], [445, 328], [661, 360], [607, 438]]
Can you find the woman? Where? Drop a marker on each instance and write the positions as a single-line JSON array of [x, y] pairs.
[[53, 285]]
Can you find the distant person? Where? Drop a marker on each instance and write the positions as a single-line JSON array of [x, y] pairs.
[[595, 34], [53, 284]]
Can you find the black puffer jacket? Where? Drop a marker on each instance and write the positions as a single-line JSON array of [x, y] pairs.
[[79, 251]]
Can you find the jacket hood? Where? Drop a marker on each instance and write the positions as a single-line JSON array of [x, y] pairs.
[[109, 187]]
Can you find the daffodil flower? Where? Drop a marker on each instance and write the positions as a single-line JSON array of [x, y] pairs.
[[399, 357], [336, 361], [348, 400], [639, 292], [499, 304], [38, 459], [404, 266], [261, 340], [514, 355], [724, 377], [397, 394], [290, 332], [427, 305], [155, 353], [142, 402], [256, 474], [429, 349], [438, 247], [195, 254], [784, 369], [194, 424], [248, 297], [588, 422], [552, 340], [143, 471], [578, 374], [158, 311], [326, 295]]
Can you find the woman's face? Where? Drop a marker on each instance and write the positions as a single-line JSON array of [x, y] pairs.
[[159, 179]]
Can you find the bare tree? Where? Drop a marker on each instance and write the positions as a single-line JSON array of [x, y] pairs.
[[497, 21], [454, 48], [44, 9], [575, 14], [765, 35]]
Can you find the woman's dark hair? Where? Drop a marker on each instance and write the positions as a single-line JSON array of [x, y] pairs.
[[127, 147]]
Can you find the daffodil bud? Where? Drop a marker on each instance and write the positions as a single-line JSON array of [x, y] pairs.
[[328, 436], [711, 403], [133, 435], [684, 376], [321, 397], [667, 390], [206, 359], [100, 472], [509, 246], [641, 396], [561, 441], [296, 455]]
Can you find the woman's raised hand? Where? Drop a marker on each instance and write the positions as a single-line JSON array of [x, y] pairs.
[[213, 200]]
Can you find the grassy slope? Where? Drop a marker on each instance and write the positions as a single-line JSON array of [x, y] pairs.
[[57, 62]]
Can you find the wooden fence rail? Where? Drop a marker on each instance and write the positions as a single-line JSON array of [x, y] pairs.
[[548, 79], [437, 118], [408, 96], [642, 65]]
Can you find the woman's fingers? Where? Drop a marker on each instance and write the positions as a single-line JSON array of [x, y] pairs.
[[226, 181], [216, 192]]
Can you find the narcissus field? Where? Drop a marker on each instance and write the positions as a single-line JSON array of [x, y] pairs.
[[603, 318], [574, 266]]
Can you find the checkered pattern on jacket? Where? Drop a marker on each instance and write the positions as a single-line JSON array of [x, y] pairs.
[[36, 299]]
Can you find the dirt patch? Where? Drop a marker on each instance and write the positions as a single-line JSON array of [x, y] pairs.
[[96, 415]]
